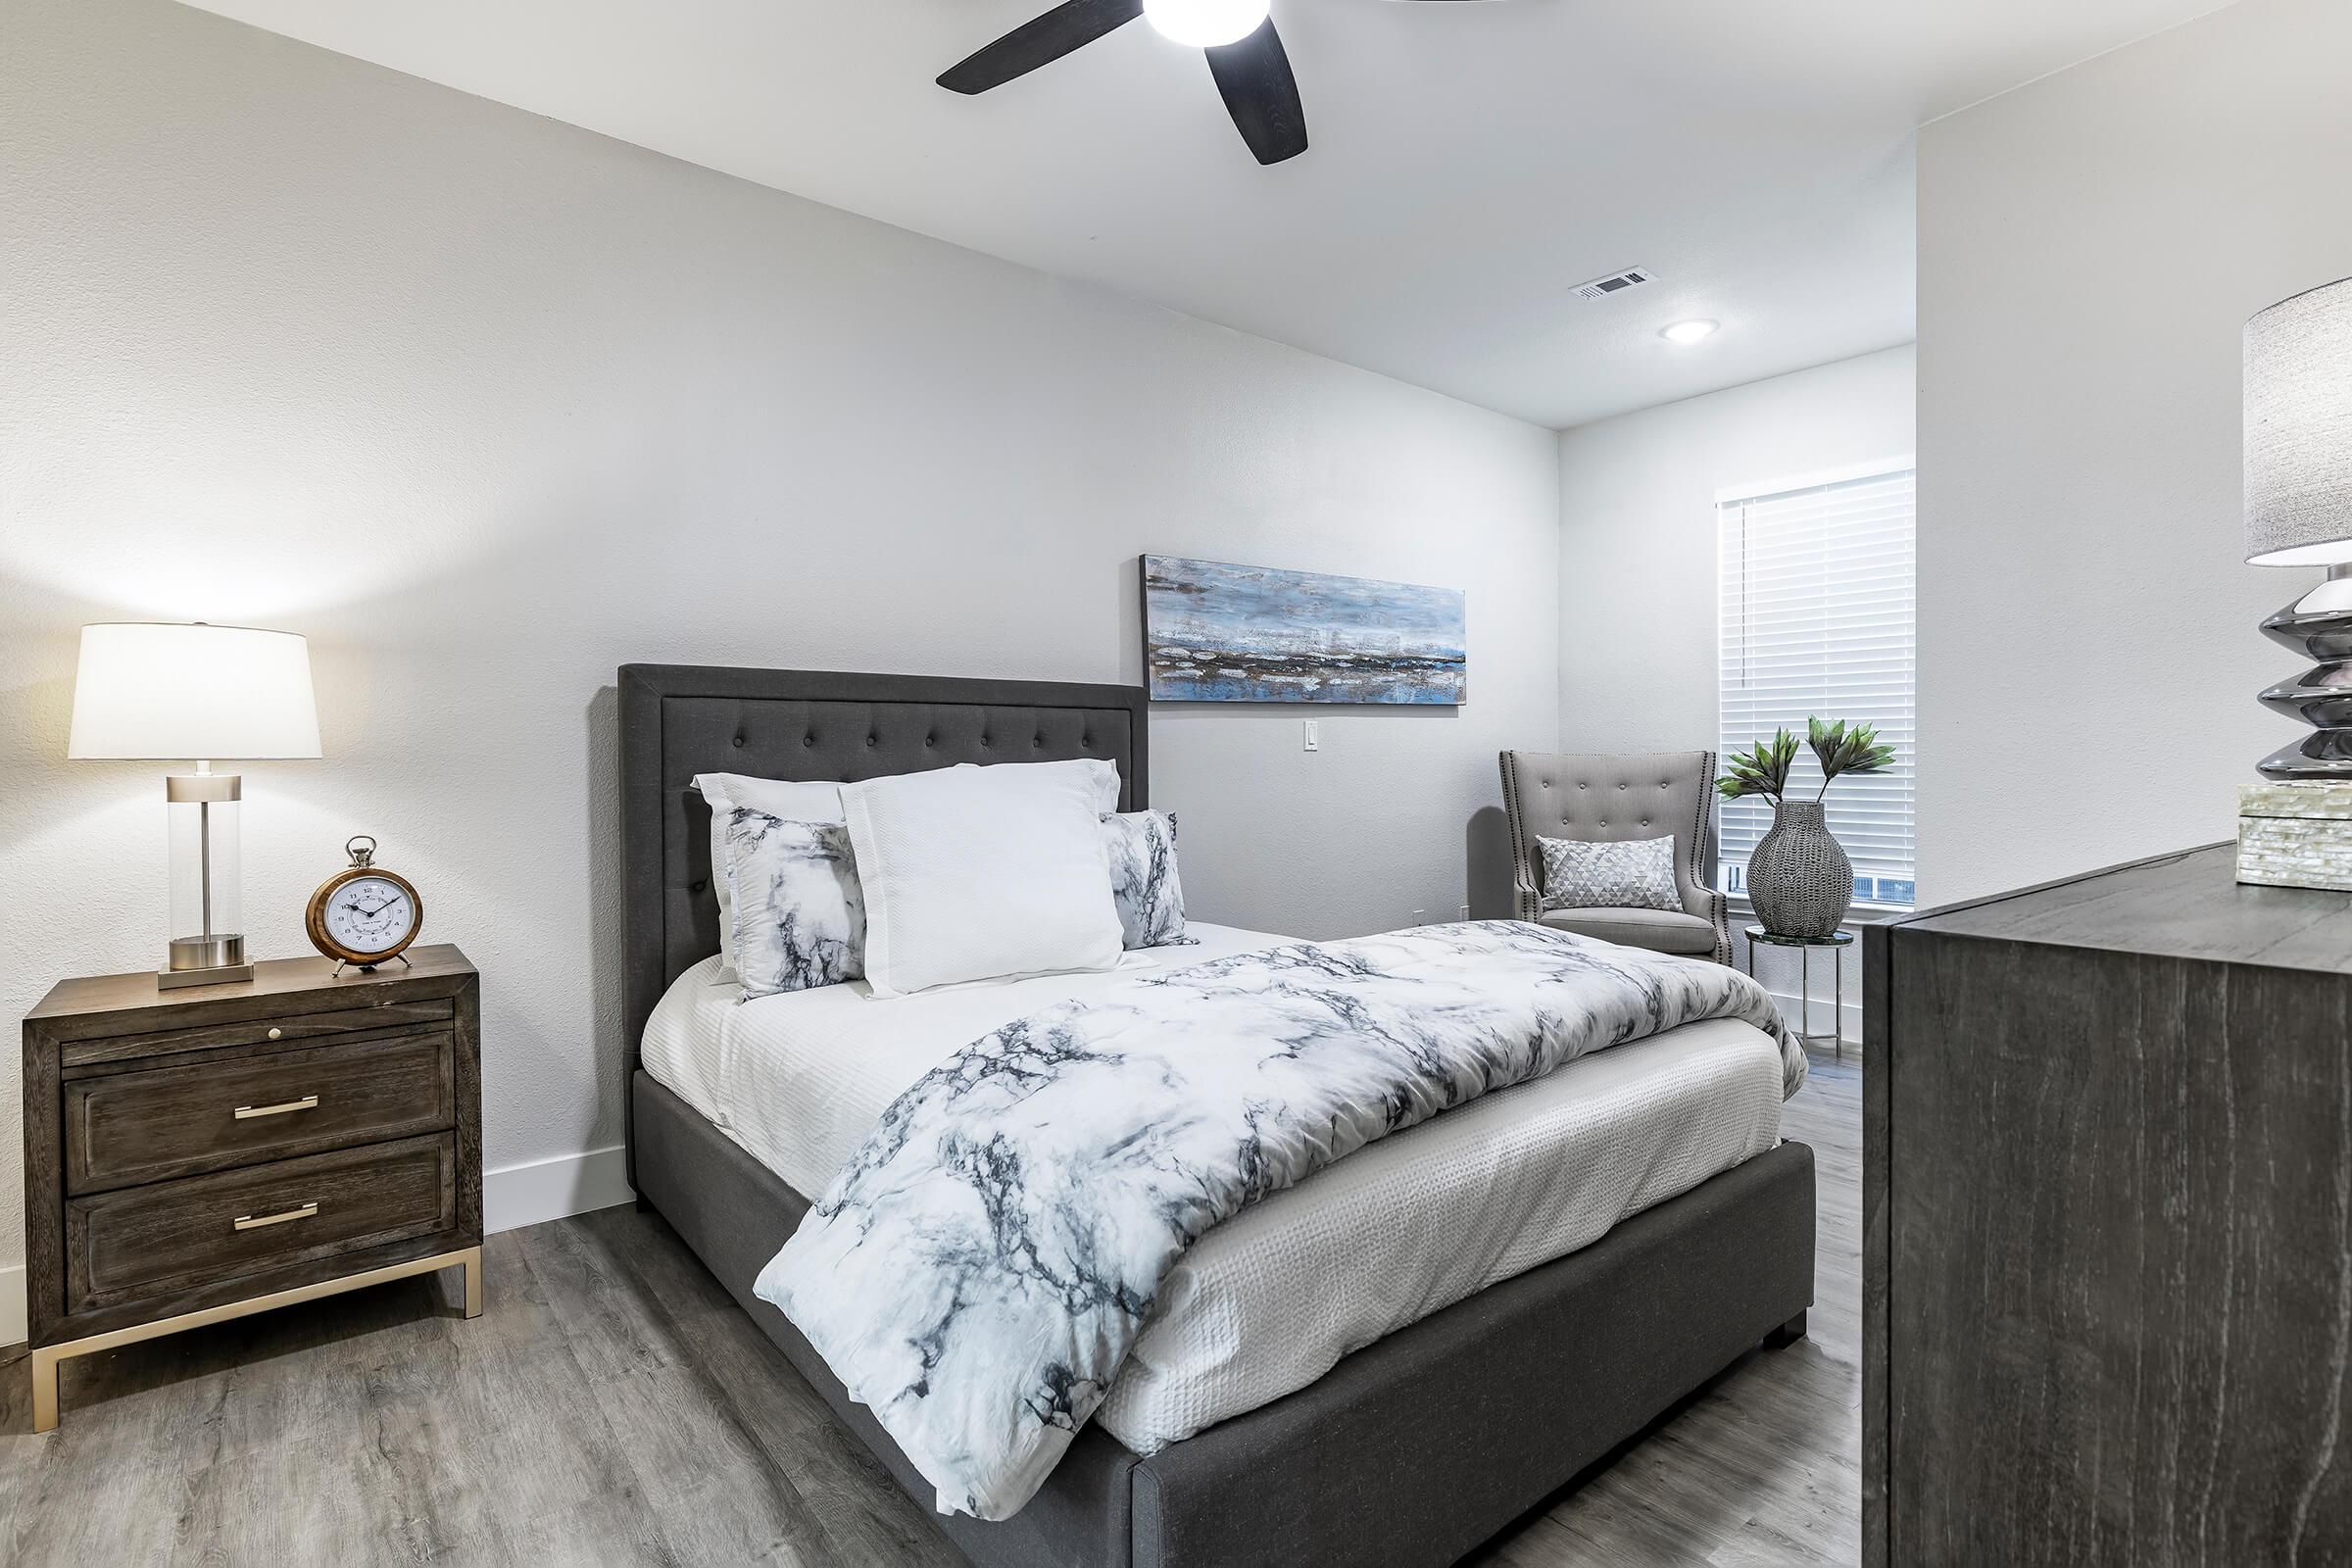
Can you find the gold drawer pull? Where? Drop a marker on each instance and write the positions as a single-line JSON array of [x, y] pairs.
[[253, 1222], [306, 1102]]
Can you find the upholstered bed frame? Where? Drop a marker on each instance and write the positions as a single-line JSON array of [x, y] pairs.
[[1412, 1451]]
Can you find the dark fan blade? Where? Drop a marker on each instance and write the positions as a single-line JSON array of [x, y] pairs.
[[1263, 95], [1040, 42]]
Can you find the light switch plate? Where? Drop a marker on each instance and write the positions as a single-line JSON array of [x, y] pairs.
[[1312, 738]]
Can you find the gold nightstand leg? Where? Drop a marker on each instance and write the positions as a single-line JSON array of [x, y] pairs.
[[44, 1390], [44, 1360]]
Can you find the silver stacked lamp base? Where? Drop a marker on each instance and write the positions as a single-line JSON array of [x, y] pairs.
[[2296, 830], [2318, 627]]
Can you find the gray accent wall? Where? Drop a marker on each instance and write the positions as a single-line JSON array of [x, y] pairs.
[[2090, 248], [487, 405]]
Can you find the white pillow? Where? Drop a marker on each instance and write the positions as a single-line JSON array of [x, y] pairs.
[[785, 799], [1100, 773], [970, 873]]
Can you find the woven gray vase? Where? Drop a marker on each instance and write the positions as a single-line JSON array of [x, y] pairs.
[[1798, 878]]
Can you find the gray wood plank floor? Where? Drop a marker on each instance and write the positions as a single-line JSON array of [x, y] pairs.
[[612, 1406]]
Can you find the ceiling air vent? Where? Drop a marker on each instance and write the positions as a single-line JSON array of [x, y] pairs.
[[1614, 283]]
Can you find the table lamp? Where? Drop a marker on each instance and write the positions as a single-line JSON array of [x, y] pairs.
[[2298, 455], [170, 692]]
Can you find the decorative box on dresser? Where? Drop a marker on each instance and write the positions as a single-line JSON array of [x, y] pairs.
[[2107, 1221], [199, 1155]]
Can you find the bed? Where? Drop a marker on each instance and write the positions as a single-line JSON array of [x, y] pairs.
[[1410, 1448]]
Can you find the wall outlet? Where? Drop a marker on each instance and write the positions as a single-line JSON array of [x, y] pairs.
[[1310, 738], [1420, 917]]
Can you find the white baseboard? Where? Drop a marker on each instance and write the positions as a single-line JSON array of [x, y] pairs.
[[13, 1329], [551, 1189], [1822, 1008]]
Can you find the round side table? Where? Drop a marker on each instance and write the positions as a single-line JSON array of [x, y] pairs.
[[1835, 944]]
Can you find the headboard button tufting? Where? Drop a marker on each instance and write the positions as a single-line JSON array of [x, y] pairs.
[[738, 740]]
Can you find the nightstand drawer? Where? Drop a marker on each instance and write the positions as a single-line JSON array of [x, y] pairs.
[[100, 1049], [133, 1127], [141, 1242]]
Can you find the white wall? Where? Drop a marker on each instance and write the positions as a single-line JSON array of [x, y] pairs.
[[2090, 248], [487, 405], [1639, 637], [1638, 540]]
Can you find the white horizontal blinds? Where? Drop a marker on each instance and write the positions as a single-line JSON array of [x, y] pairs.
[[1817, 619]]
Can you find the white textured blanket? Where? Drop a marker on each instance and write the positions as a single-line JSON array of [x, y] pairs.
[[980, 1268]]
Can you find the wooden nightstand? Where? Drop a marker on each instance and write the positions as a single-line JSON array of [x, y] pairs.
[[200, 1154]]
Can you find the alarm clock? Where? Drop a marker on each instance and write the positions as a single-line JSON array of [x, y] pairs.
[[363, 914]]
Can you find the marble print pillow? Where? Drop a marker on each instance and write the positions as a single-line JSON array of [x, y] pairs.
[[799, 915], [1142, 846], [1628, 874]]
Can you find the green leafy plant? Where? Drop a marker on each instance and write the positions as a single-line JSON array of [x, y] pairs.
[[1840, 750], [1763, 768]]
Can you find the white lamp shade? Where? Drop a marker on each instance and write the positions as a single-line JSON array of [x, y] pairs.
[[173, 692], [2299, 430]]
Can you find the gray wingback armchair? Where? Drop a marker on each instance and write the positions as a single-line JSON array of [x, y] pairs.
[[1600, 796]]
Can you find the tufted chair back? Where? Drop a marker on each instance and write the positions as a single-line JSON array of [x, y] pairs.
[[1601, 796]]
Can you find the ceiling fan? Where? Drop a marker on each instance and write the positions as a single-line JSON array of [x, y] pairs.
[[1244, 56]]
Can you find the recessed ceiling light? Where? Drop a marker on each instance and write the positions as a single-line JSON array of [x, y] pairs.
[[1205, 24], [1689, 331]]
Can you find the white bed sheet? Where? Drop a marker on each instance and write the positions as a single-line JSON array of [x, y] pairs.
[[1270, 1300]]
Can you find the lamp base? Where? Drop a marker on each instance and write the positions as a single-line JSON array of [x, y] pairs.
[[175, 979], [2319, 627], [2295, 835], [207, 960]]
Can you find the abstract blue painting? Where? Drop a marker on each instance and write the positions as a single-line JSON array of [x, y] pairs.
[[1219, 633]]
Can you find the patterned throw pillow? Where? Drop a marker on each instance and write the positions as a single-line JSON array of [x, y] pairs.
[[799, 914], [1626, 874], [1142, 846]]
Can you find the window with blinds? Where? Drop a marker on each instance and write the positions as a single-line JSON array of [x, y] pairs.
[[1817, 619]]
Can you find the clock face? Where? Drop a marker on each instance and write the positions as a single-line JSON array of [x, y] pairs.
[[369, 915]]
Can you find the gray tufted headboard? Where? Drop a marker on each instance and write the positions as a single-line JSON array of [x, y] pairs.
[[678, 720]]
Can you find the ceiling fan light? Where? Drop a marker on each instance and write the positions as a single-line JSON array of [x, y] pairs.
[[1205, 24]]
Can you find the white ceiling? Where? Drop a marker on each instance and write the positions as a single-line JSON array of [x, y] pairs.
[[1471, 162]]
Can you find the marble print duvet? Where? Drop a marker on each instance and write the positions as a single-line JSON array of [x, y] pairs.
[[980, 1267]]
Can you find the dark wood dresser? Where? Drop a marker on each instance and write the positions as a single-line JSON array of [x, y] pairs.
[[196, 1156], [2107, 1222]]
